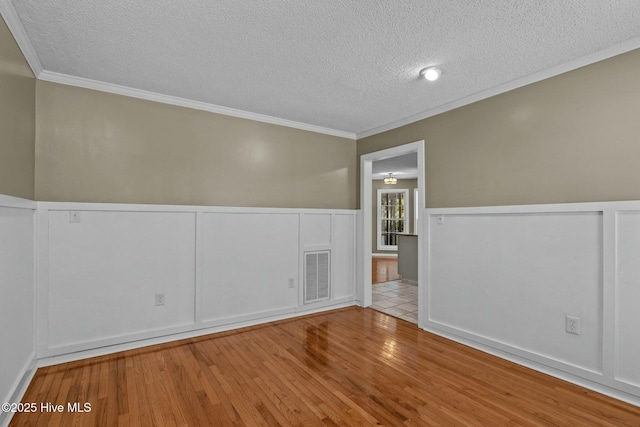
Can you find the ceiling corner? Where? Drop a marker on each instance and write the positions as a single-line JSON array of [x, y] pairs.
[[12, 20]]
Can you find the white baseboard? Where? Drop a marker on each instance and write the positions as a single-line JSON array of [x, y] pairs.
[[536, 366], [250, 317], [19, 388], [221, 326], [384, 255]]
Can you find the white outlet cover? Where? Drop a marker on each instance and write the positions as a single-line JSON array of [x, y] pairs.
[[74, 216], [572, 325], [159, 299]]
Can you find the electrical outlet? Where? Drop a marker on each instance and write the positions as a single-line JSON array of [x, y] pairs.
[[159, 299], [573, 325], [291, 282], [440, 219], [74, 216]]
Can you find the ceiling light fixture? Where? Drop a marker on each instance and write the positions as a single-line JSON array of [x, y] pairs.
[[390, 179], [431, 73]]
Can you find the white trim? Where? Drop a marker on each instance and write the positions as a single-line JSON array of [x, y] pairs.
[[209, 326], [359, 256], [406, 217], [594, 375], [416, 211], [540, 367], [42, 280], [422, 237], [17, 203], [220, 326], [10, 16], [199, 321], [124, 207], [300, 278], [609, 292], [353, 257], [66, 79], [594, 57], [198, 269], [630, 205], [19, 387], [36, 279], [28, 370], [603, 379], [363, 290], [17, 29], [380, 254], [423, 299]]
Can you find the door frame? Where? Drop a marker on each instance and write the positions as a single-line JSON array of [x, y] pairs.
[[364, 257]]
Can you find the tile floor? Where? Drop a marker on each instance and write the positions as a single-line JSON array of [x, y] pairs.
[[397, 298]]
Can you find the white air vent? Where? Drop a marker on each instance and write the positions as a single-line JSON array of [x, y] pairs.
[[316, 276]]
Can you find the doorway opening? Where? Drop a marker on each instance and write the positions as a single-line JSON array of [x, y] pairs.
[[388, 222]]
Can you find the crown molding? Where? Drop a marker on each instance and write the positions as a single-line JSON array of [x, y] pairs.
[[10, 16], [600, 55], [12, 20], [66, 79]]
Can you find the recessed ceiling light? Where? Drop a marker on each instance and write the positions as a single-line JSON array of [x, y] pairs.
[[430, 73]]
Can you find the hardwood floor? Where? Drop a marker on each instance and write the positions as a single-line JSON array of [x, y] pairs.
[[347, 367], [384, 269]]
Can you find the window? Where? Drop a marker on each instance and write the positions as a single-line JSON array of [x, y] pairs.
[[393, 218]]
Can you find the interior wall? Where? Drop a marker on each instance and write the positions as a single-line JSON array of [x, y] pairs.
[[93, 146], [17, 250], [105, 270], [376, 184], [17, 119], [102, 265], [17, 301], [242, 279], [628, 298], [570, 138], [550, 267], [508, 277]]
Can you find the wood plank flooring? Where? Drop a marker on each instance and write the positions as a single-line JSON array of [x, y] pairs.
[[384, 269], [347, 367]]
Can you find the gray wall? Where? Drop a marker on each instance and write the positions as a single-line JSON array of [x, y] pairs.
[[17, 119], [571, 138], [98, 147]]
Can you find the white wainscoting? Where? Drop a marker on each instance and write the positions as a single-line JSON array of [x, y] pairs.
[[505, 278], [105, 270], [343, 256], [248, 260], [218, 268], [627, 299], [17, 299]]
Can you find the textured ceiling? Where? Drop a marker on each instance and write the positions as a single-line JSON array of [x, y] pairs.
[[350, 66]]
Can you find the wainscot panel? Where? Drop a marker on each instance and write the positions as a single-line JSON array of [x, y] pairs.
[[248, 262], [627, 299], [551, 286], [107, 268], [17, 299], [118, 274]]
